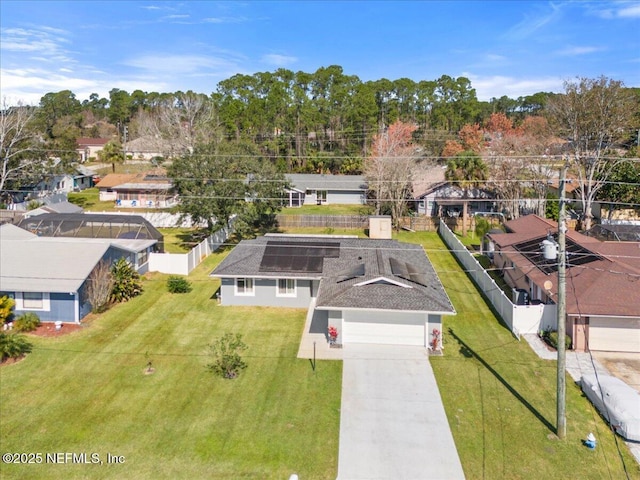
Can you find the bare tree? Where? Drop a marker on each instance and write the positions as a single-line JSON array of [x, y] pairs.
[[17, 142], [179, 123], [99, 287], [390, 167], [594, 115]]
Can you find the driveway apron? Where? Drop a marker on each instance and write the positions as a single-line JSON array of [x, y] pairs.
[[392, 421]]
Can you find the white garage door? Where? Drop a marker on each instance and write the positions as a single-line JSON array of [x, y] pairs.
[[385, 328], [614, 334]]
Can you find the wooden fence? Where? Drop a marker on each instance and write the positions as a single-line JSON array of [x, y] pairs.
[[360, 222]]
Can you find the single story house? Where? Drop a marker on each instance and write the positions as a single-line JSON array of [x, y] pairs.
[[444, 199], [59, 207], [49, 276], [149, 189], [147, 148], [370, 290], [320, 189], [89, 147], [603, 281], [134, 236]]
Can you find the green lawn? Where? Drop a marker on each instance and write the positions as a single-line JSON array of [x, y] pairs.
[[337, 209], [87, 392], [180, 240], [500, 397]]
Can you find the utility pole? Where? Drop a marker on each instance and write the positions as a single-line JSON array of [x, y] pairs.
[[125, 130], [562, 309]]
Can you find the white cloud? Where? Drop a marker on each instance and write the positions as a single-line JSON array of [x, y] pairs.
[[571, 51], [632, 11], [488, 87], [617, 10], [278, 60], [531, 23], [177, 64]]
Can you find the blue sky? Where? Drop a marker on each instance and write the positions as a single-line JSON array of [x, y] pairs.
[[508, 48]]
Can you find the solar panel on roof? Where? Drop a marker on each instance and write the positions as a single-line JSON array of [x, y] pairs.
[[298, 257], [576, 255]]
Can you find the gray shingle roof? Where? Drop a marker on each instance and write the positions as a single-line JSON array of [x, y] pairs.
[[367, 274], [310, 181], [41, 264]]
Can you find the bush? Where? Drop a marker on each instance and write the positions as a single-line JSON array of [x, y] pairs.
[[226, 356], [552, 339], [13, 346], [177, 284], [27, 322], [126, 281]]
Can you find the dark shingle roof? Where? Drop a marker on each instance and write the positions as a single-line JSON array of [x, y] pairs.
[[366, 273]]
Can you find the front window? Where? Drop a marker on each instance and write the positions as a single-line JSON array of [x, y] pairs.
[[286, 287], [33, 301], [244, 286]]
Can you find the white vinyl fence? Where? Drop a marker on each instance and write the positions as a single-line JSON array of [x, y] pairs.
[[521, 319], [184, 263]]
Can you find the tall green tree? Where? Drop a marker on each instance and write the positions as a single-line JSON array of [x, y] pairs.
[[226, 180], [621, 188], [112, 153], [467, 170]]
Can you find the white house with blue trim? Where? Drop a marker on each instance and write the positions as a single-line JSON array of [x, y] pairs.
[[48, 275]]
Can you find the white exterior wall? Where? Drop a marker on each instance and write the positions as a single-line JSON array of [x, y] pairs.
[[520, 319]]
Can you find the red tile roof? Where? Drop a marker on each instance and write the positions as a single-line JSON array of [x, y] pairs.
[[93, 142]]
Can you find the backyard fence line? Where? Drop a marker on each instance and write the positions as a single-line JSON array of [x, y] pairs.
[[184, 263], [520, 319], [420, 223], [323, 221]]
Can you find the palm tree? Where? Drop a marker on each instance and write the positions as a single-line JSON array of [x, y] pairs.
[[466, 169]]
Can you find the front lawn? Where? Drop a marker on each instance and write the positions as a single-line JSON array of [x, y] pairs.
[[500, 397], [87, 393]]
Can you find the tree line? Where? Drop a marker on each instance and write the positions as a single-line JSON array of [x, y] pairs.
[[327, 121]]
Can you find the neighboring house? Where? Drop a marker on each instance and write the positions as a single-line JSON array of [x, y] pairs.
[[75, 181], [148, 189], [317, 189], [446, 200], [147, 148], [89, 147], [603, 281], [49, 276], [372, 291], [60, 207], [134, 236]]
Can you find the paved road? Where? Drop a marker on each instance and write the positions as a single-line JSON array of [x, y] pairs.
[[392, 423]]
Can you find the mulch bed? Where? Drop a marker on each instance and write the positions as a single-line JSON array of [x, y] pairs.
[[48, 329]]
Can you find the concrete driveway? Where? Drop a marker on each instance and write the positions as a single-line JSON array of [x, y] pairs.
[[392, 421]]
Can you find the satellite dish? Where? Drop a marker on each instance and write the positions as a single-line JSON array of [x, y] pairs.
[[547, 285]]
